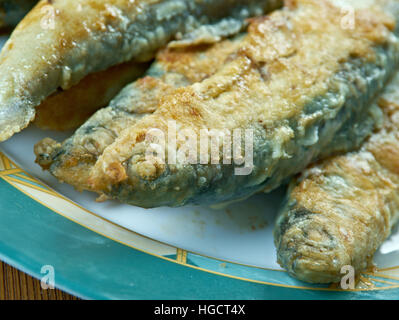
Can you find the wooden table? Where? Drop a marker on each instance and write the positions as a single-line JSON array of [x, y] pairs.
[[16, 285]]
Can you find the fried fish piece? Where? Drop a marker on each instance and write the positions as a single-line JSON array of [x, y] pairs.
[[66, 110], [60, 42], [174, 67], [341, 210], [298, 81], [12, 11]]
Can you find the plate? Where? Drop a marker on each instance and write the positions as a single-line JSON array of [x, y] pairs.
[[114, 251]]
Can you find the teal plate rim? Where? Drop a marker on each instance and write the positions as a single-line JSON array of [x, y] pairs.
[[94, 264]]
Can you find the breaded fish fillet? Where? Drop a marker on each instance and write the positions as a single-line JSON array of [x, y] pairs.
[[299, 81], [340, 211], [12, 11], [69, 109], [72, 160], [61, 42]]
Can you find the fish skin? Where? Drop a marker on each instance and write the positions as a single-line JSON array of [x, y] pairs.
[[12, 11], [340, 211], [75, 38], [311, 100], [174, 67]]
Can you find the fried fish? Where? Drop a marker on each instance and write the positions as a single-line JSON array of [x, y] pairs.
[[298, 82], [60, 42], [12, 11], [173, 68], [341, 210]]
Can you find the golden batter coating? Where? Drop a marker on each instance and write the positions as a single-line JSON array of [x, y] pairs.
[[341, 210], [72, 160], [297, 80], [60, 42]]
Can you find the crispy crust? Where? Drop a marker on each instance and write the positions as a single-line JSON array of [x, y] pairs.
[[341, 210], [286, 61], [60, 42], [72, 161]]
